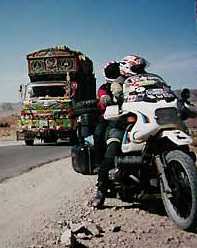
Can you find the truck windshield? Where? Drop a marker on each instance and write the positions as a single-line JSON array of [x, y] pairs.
[[50, 91]]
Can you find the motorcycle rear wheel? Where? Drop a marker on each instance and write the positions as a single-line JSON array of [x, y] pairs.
[[181, 174]]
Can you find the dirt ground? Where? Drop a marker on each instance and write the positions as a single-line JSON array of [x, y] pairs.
[[36, 208], [30, 203], [124, 225]]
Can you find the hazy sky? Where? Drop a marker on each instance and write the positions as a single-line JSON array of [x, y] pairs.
[[163, 31]]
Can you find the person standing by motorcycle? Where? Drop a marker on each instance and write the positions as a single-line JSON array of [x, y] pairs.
[[130, 66], [185, 107], [105, 98]]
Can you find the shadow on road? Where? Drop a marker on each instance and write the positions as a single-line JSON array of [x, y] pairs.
[[154, 206], [79, 245]]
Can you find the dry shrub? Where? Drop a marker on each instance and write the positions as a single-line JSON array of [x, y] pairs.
[[8, 126]]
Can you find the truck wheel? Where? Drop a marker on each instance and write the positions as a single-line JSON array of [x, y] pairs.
[[50, 140], [29, 142]]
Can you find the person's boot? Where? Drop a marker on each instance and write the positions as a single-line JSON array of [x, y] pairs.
[[102, 184], [99, 199]]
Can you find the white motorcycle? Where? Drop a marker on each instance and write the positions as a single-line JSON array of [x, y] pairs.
[[155, 156]]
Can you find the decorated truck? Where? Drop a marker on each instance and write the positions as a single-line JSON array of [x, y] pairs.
[[60, 79]]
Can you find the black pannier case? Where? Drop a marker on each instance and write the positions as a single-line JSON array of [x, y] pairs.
[[83, 158]]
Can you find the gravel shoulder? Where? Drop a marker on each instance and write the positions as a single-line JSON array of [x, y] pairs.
[[38, 206], [29, 202]]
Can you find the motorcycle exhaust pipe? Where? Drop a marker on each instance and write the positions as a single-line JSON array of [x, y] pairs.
[[130, 163], [128, 160]]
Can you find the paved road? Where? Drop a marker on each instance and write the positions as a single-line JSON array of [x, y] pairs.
[[17, 159]]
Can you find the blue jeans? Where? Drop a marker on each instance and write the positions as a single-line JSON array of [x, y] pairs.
[[113, 139]]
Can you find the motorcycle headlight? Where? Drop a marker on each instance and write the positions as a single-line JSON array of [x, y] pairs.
[[131, 119]]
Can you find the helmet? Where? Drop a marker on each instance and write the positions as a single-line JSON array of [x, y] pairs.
[[112, 71], [132, 65]]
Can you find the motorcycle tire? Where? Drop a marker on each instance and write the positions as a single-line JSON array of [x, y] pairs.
[[181, 174], [85, 111], [86, 104]]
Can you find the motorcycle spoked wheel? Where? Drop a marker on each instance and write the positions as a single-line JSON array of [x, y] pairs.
[[181, 174]]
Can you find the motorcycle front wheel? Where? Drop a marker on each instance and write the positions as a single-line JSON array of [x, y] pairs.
[[181, 203]]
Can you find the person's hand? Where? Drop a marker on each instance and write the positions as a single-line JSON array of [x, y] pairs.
[[116, 88]]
